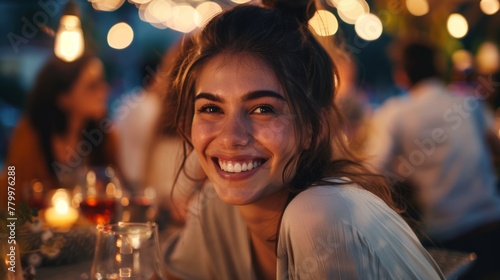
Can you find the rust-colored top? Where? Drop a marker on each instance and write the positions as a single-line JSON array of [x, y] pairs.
[[26, 155]]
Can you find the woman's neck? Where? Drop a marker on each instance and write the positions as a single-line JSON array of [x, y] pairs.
[[75, 127], [65, 143], [263, 220]]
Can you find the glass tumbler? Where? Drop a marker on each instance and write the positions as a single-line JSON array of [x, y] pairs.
[[127, 251]]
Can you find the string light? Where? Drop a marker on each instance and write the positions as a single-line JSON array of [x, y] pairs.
[[462, 60], [350, 10], [182, 18], [140, 2], [368, 27], [488, 58], [417, 7], [205, 11], [69, 43], [324, 23], [107, 5], [120, 36], [457, 26], [489, 7], [240, 1]]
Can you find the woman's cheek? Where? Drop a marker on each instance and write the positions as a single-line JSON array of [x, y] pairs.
[[278, 133], [201, 133]]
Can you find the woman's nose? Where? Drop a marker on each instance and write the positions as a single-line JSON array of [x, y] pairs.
[[235, 131]]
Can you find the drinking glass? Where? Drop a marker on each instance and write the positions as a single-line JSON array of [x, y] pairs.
[[97, 194], [36, 193], [128, 251], [140, 206]]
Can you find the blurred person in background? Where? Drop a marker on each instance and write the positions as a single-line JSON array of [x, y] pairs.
[[437, 142], [136, 121], [151, 148], [350, 100], [64, 127]]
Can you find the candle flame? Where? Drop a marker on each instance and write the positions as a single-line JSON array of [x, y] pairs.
[[62, 207]]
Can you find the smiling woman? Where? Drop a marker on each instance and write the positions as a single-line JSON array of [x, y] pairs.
[[235, 128], [286, 198]]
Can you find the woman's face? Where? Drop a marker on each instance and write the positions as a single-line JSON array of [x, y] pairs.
[[88, 97], [242, 128]]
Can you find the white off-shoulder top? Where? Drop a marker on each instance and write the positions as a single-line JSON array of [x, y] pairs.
[[327, 232]]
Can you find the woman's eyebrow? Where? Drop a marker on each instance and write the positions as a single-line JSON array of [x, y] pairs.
[[262, 93], [209, 96]]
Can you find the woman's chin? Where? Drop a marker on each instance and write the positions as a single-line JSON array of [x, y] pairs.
[[236, 196]]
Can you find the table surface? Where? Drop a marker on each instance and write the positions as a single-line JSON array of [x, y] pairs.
[[452, 264], [77, 271], [81, 270]]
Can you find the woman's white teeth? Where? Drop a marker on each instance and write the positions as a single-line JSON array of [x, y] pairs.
[[238, 167]]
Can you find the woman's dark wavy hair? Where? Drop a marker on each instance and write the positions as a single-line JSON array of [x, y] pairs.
[[280, 37], [56, 78]]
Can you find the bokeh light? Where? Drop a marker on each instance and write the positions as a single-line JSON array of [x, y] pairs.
[[120, 36], [158, 11], [69, 42], [457, 26], [488, 58], [350, 10], [417, 7], [139, 1], [368, 27], [333, 3], [324, 23], [240, 1], [205, 11], [182, 19], [462, 60], [141, 10], [489, 7], [107, 5]]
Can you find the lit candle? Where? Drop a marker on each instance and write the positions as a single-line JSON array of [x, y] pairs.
[[61, 214]]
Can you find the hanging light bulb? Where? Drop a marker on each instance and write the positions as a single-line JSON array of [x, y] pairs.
[[69, 43]]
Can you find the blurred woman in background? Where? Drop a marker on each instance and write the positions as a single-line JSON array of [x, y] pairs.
[[64, 127]]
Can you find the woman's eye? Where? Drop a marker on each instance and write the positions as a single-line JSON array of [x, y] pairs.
[[264, 109], [210, 109]]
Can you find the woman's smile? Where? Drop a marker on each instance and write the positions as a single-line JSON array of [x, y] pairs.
[[238, 166]]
